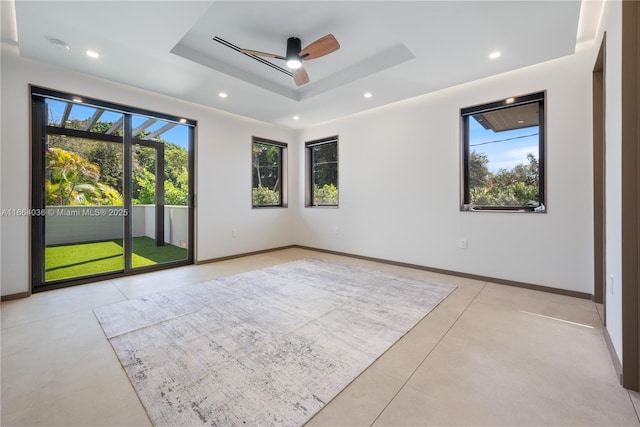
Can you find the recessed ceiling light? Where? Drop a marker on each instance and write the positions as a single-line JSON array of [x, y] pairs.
[[520, 122], [183, 121], [77, 99], [223, 95], [296, 118], [92, 54], [509, 100], [58, 43], [494, 55], [368, 95]]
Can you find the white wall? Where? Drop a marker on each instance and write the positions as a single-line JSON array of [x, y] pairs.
[[223, 162], [612, 24], [73, 224], [224, 191], [409, 150], [399, 180]]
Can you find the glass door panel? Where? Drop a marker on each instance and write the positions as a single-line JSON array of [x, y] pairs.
[[160, 192], [84, 222]]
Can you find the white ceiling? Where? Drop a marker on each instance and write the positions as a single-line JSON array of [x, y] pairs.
[[395, 50]]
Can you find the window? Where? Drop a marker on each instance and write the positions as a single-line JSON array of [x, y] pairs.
[[503, 155], [322, 166], [268, 165]]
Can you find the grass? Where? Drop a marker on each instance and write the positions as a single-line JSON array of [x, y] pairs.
[[82, 259]]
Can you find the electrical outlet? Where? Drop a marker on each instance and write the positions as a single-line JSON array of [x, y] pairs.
[[463, 243]]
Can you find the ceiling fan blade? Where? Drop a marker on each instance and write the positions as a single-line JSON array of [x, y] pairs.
[[300, 76], [258, 53], [320, 47]]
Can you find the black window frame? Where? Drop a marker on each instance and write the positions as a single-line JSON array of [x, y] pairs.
[[540, 98], [282, 171], [310, 161]]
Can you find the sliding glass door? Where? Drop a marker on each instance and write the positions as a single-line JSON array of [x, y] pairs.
[[112, 188]]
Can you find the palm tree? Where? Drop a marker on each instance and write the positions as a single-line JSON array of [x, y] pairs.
[[70, 179]]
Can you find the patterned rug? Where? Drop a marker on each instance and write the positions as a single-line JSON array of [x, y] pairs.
[[266, 347]]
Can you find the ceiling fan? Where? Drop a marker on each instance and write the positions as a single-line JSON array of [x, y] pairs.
[[295, 55]]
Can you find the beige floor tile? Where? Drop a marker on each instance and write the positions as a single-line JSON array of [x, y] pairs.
[[64, 372], [601, 313], [360, 403], [407, 354], [46, 305], [487, 355], [501, 366], [635, 400], [582, 311], [366, 397], [157, 281]]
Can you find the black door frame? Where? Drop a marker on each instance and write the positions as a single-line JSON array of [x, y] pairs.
[[599, 177], [630, 194], [39, 131]]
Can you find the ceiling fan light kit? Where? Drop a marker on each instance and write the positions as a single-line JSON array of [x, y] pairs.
[[295, 55], [294, 46]]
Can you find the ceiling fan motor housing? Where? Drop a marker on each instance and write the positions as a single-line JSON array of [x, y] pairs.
[[294, 46], [295, 55]]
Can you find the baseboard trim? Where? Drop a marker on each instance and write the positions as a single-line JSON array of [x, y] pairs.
[[617, 365], [548, 289], [242, 255], [12, 297], [541, 288]]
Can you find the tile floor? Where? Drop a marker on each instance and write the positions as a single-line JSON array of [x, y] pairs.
[[488, 355]]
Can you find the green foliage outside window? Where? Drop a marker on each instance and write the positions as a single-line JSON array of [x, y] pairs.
[[176, 174], [263, 196], [73, 180], [324, 174], [325, 195], [267, 174], [517, 186], [104, 185], [145, 189]]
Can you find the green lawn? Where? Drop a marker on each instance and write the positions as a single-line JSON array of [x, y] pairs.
[[81, 259]]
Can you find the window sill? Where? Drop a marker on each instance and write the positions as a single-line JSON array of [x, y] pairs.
[[504, 209]]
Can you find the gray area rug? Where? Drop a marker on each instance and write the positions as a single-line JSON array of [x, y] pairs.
[[266, 347]]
